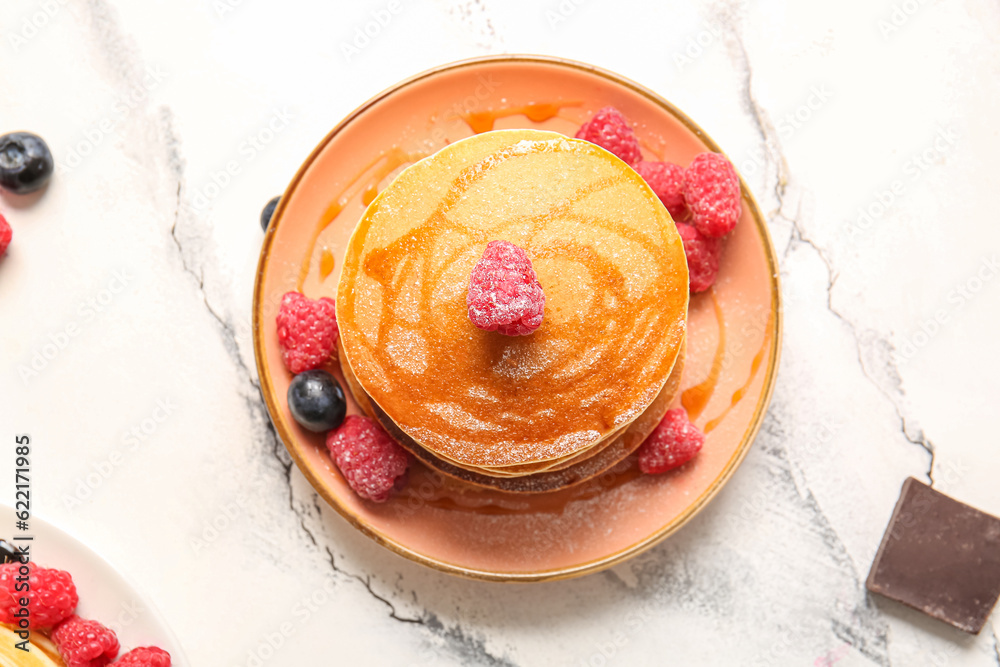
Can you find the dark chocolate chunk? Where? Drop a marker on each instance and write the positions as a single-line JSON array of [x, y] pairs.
[[940, 557]]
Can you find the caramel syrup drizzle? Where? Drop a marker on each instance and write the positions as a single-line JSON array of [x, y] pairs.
[[327, 262], [754, 367], [394, 267], [379, 168], [482, 121], [478, 122], [694, 399]]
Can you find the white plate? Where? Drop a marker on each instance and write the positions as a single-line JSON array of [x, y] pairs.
[[105, 594]]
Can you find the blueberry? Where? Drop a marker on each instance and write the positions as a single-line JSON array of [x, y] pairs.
[[316, 401], [25, 162], [267, 212]]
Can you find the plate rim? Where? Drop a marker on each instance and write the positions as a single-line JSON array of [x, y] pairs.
[[267, 388]]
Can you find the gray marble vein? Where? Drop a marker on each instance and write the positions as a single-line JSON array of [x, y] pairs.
[[874, 352], [770, 573]]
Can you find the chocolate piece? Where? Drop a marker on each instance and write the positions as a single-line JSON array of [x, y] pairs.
[[940, 557]]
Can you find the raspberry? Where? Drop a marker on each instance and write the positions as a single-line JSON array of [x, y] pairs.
[[667, 181], [84, 643], [609, 130], [712, 192], [504, 294], [372, 463], [146, 656], [6, 233], [674, 442], [702, 255], [52, 596], [307, 331]]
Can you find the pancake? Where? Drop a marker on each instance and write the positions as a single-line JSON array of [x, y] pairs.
[[521, 470], [42, 652], [609, 260], [575, 472]]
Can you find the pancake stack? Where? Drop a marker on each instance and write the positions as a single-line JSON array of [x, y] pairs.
[[530, 413]]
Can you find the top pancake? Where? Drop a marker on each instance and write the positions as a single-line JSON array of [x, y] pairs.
[[609, 260]]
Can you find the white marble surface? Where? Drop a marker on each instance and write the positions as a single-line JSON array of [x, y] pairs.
[[147, 423]]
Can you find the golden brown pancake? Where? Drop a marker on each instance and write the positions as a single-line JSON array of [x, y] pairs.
[[574, 472], [42, 652], [364, 402], [607, 256]]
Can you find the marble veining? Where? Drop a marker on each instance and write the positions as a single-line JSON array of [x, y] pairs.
[[212, 513]]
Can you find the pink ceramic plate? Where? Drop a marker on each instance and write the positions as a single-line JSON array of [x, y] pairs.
[[733, 340]]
